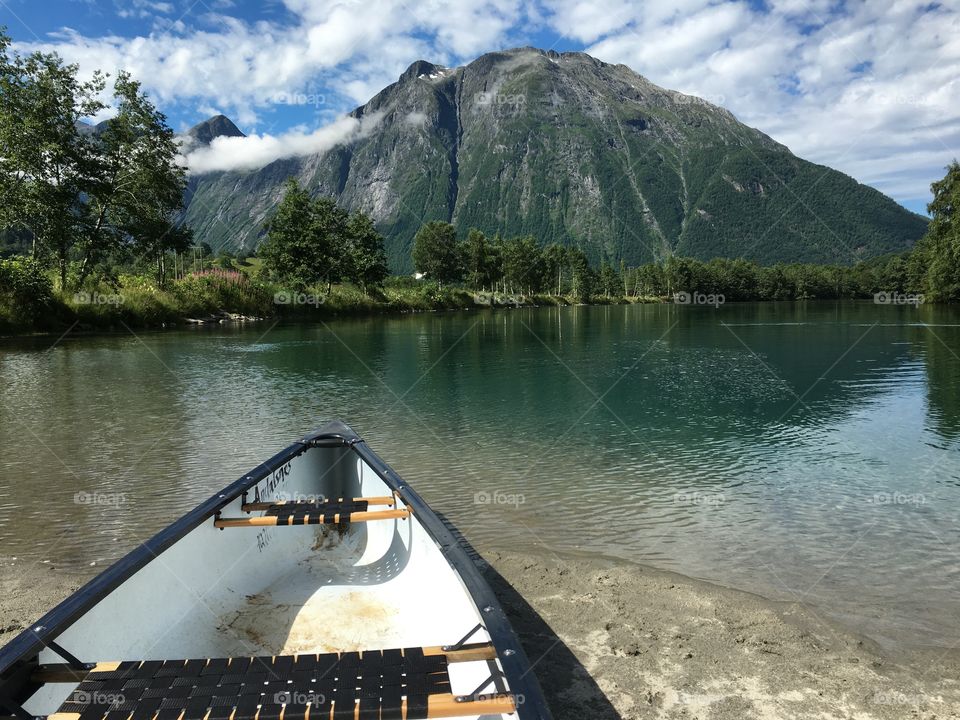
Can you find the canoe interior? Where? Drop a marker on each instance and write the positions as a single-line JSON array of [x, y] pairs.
[[245, 591]]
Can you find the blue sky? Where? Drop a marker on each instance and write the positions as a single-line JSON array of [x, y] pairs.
[[870, 88]]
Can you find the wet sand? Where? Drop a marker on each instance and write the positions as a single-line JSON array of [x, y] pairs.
[[610, 641]]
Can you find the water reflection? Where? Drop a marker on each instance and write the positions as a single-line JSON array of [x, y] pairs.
[[801, 451]]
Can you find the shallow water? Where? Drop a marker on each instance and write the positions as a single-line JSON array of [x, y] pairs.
[[801, 451]]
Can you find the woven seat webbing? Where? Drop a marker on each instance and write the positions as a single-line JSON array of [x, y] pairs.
[[302, 686], [300, 513]]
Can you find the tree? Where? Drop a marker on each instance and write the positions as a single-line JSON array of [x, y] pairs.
[[139, 184], [581, 274], [481, 261], [46, 165], [938, 253], [651, 280], [608, 280], [366, 259], [554, 264], [523, 264], [436, 253], [292, 250]]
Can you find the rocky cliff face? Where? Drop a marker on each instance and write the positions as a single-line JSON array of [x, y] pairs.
[[572, 150]]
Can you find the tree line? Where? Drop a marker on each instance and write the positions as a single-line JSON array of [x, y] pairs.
[[512, 265], [312, 240], [522, 265], [76, 197]]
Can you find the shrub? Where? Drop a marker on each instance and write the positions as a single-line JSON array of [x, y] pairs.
[[26, 291], [214, 290]]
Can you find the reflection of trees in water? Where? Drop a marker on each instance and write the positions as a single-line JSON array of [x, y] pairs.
[[941, 348]]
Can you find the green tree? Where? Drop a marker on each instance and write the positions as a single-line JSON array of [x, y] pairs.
[[481, 261], [608, 280], [554, 266], [366, 259], [46, 164], [523, 264], [651, 280], [436, 252], [581, 274], [938, 253], [139, 186], [297, 249]]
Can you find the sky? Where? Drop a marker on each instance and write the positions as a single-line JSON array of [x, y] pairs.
[[871, 88]]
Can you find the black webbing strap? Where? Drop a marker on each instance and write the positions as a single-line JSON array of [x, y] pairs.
[[315, 513], [371, 685]]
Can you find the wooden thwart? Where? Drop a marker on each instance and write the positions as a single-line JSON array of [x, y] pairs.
[[312, 518], [267, 504]]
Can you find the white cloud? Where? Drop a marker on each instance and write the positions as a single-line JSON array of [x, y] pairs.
[[235, 63], [416, 119], [868, 87], [255, 151]]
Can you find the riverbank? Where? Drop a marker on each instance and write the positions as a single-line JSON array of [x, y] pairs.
[[225, 297], [614, 641]]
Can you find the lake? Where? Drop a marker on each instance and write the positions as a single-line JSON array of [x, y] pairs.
[[800, 451]]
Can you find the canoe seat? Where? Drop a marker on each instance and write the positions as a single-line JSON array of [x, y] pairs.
[[319, 503], [401, 684], [326, 512]]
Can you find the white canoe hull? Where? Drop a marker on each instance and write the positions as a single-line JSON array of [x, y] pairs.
[[200, 591]]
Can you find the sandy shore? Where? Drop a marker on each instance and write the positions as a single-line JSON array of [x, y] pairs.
[[612, 641], [617, 641]]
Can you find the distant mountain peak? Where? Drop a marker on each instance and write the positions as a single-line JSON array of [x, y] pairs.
[[218, 126], [423, 69]]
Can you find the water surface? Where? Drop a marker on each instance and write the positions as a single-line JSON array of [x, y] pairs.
[[801, 451]]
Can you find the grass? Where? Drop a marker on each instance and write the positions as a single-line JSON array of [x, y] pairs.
[[137, 302]]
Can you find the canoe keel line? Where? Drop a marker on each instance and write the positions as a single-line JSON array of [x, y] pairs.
[[352, 595]]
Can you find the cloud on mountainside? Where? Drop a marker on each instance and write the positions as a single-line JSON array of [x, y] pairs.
[[254, 151], [871, 88]]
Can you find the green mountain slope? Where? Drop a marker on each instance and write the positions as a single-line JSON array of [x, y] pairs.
[[576, 151]]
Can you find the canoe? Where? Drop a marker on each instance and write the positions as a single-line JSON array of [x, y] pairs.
[[318, 586]]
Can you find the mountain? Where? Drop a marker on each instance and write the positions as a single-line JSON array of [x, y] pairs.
[[203, 133], [573, 150], [85, 128]]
